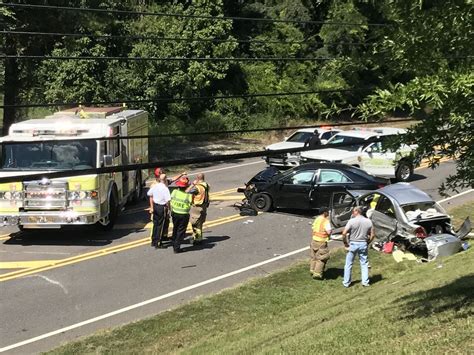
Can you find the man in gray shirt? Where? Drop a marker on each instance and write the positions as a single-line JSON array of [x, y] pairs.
[[361, 233]]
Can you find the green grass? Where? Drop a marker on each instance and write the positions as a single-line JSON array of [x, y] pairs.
[[410, 308], [460, 213]]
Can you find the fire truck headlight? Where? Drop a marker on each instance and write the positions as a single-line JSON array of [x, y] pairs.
[[83, 195], [73, 195]]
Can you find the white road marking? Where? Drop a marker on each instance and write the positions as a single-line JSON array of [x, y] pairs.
[[454, 196], [147, 302], [228, 167], [57, 283]]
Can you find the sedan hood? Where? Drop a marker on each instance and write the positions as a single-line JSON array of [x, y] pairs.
[[284, 145], [265, 175], [329, 154]]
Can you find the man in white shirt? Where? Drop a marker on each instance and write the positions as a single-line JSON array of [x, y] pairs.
[[160, 197]]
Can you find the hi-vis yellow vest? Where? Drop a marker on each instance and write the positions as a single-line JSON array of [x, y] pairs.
[[180, 202], [202, 197], [319, 231]]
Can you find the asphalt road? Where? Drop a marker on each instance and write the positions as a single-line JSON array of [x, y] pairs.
[[66, 279]]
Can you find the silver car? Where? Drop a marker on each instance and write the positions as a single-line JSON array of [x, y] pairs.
[[400, 212]]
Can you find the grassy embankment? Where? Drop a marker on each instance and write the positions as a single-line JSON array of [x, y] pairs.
[[410, 308]]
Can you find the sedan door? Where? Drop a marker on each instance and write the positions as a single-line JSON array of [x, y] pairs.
[[328, 182], [384, 219], [340, 208], [293, 190]]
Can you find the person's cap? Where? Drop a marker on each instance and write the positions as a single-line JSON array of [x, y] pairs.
[[158, 172], [183, 181], [323, 210]]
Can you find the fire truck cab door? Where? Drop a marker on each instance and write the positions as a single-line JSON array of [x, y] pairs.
[[114, 149]]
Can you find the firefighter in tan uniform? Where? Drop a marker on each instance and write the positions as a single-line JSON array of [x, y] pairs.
[[319, 244], [198, 213]]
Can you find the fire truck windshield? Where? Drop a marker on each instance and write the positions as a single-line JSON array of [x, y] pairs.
[[57, 155]]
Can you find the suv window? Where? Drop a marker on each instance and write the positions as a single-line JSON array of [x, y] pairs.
[[300, 178], [332, 176], [327, 135], [300, 137], [381, 147]]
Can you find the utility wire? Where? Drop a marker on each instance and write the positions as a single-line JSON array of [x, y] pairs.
[[183, 99], [203, 17], [215, 133], [164, 164], [176, 39], [170, 59]]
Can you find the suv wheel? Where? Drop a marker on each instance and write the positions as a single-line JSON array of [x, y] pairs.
[[404, 171]]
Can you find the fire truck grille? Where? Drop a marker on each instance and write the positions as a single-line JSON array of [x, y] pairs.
[[41, 196]]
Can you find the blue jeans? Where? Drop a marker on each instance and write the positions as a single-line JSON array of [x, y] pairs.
[[361, 249]]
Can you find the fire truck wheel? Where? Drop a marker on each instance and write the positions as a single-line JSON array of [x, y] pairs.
[[113, 212]]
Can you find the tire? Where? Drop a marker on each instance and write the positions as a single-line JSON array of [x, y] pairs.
[[138, 192], [261, 202], [113, 213], [404, 171]]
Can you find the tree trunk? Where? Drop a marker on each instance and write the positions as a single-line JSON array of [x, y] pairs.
[[11, 87]]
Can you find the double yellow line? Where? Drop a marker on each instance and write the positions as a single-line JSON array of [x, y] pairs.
[[52, 264], [425, 163]]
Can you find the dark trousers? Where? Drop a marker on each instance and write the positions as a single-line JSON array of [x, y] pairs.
[[161, 223], [180, 223]]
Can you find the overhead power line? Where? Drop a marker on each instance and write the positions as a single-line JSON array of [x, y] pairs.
[[216, 133], [164, 163], [202, 17], [183, 99], [177, 39], [170, 59]]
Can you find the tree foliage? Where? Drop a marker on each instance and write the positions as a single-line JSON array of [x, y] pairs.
[[415, 62]]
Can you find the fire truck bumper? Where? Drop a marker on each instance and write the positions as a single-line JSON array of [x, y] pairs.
[[48, 219]]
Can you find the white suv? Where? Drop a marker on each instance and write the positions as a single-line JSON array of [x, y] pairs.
[[296, 140], [363, 152]]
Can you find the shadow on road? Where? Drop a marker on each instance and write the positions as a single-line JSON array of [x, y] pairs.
[[455, 296], [207, 243], [81, 236], [415, 177]]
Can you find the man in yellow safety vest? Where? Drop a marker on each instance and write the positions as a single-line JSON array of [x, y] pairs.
[[180, 206], [200, 192], [319, 244]]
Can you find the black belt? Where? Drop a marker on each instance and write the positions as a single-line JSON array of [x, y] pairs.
[[158, 204]]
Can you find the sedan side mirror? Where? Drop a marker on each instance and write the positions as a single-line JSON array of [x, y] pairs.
[[107, 160], [368, 150]]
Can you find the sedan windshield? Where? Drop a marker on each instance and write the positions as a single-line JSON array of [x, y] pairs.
[[300, 137], [57, 155], [352, 144]]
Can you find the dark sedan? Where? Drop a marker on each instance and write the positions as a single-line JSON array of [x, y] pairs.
[[306, 187]]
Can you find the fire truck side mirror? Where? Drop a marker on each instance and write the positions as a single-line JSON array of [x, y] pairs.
[[107, 160]]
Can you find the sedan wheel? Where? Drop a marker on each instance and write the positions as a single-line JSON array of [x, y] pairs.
[[261, 202]]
